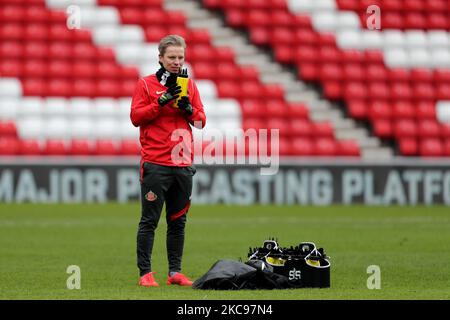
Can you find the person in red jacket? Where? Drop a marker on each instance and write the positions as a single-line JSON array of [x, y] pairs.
[[166, 168]]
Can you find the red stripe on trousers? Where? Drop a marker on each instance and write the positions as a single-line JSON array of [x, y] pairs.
[[180, 213]]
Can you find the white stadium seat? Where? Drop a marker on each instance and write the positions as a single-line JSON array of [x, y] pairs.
[[63, 4], [440, 58], [207, 88], [55, 106], [33, 107], [224, 108], [393, 39], [10, 87], [30, 128], [131, 34], [416, 39], [127, 130], [419, 58], [348, 20], [92, 17], [438, 39], [81, 107], [105, 107], [82, 128], [372, 39], [325, 21], [56, 128], [396, 58], [349, 39], [443, 111], [300, 6], [106, 35], [129, 53], [106, 129], [9, 108], [124, 107]]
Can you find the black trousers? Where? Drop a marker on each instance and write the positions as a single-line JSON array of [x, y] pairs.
[[173, 186]]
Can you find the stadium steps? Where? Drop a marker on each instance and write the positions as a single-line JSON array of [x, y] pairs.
[[272, 72]]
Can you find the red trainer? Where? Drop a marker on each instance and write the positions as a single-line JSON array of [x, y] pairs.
[[179, 279], [147, 280]]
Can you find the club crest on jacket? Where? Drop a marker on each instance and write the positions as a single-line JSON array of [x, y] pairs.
[[151, 196]]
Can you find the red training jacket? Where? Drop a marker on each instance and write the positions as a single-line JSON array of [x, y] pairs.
[[158, 125]]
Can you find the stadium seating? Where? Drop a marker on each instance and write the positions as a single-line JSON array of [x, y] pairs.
[[394, 78], [397, 78], [80, 106]]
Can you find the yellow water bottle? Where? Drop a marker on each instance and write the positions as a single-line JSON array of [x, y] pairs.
[[182, 81]]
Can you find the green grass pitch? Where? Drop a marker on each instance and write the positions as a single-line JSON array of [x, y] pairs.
[[411, 245]]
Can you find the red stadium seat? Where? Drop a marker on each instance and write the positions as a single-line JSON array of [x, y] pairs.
[[284, 54], [428, 128], [259, 35], [29, 147], [227, 71], [358, 109], [302, 147], [11, 68], [408, 146], [323, 129], [108, 88], [382, 128], [60, 50], [354, 72], [284, 147], [54, 148], [228, 89], [200, 36], [276, 109], [129, 148], [380, 110], [59, 88], [203, 70], [297, 111], [131, 15], [281, 18], [403, 110], [280, 124], [431, 148], [60, 69], [301, 128], [34, 87], [11, 49], [401, 91], [80, 148], [330, 71], [325, 147], [426, 110], [355, 90], [105, 148], [248, 73], [254, 123], [36, 50], [9, 146], [272, 91], [84, 88], [253, 108], [258, 18], [348, 148], [251, 89], [405, 128], [12, 31], [332, 90]]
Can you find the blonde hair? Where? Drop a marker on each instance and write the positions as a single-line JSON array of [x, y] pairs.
[[171, 40]]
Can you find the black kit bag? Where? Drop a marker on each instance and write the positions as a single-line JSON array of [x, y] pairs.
[[235, 275], [270, 267]]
